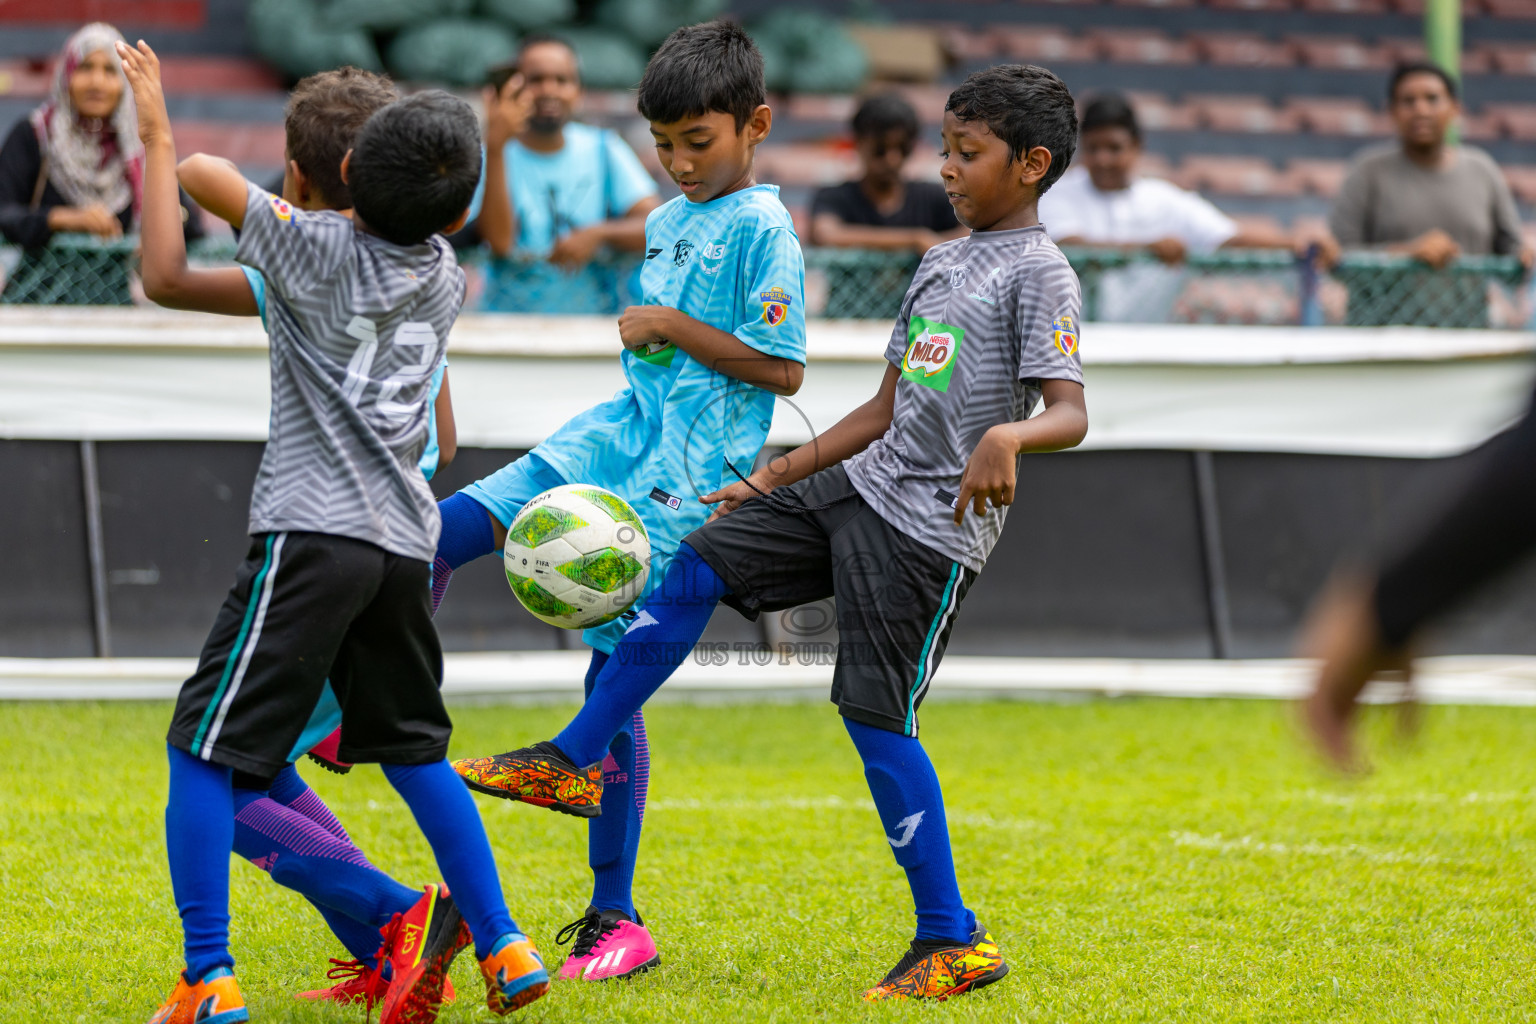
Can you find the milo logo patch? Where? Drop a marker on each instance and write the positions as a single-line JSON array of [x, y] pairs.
[[931, 351]]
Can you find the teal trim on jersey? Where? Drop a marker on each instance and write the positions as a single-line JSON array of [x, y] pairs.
[[933, 632], [259, 290], [236, 650]]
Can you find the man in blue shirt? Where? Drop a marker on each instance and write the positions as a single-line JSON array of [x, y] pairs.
[[554, 189]]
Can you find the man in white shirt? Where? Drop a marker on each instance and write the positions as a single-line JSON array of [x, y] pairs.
[[1101, 202]]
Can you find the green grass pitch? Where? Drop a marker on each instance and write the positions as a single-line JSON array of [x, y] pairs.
[[1136, 860]]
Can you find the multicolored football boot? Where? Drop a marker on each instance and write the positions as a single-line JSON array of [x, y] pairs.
[[325, 754], [936, 971], [418, 947], [514, 974], [358, 983], [608, 945], [540, 775], [215, 999]]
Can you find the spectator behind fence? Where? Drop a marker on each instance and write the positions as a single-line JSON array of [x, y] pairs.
[[881, 210], [75, 164], [554, 189], [1102, 202], [1420, 195]]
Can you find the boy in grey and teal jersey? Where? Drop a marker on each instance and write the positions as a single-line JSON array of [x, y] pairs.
[[888, 510], [721, 331]]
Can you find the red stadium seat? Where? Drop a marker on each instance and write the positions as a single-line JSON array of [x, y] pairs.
[[798, 163], [1475, 61], [1043, 44], [1525, 9], [1517, 119], [1242, 114], [1339, 115], [1512, 58], [1235, 175], [1483, 127], [1251, 5], [1319, 177], [1345, 6], [1243, 49], [965, 44], [1341, 53], [250, 145], [1157, 114], [1054, 3], [1143, 46], [804, 107], [1154, 165], [1153, 3]]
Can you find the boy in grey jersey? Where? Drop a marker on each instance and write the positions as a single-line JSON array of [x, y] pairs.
[[889, 509], [336, 583]]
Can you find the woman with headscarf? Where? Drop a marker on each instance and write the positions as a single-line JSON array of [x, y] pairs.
[[76, 164]]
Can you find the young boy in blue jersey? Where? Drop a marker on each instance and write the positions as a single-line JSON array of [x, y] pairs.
[[281, 825], [721, 332], [888, 509], [336, 587]]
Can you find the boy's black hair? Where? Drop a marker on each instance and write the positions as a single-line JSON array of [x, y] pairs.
[[415, 166], [701, 68], [324, 114], [1110, 110], [884, 113], [1419, 67], [1025, 106]]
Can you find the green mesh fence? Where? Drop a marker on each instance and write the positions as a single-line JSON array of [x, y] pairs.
[[1227, 287]]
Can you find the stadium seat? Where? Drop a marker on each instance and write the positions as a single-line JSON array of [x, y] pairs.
[[1474, 60], [1511, 58], [1481, 127], [1250, 5], [1523, 9], [1158, 114], [805, 164], [1242, 114], [1155, 165], [804, 107], [1522, 182], [1235, 176], [1143, 46], [1345, 6], [1338, 115], [1043, 43], [1341, 53], [1517, 119], [1243, 49], [1153, 3], [249, 145], [927, 100], [966, 45], [1318, 177]]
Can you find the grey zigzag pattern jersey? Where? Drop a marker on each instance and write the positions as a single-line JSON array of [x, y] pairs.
[[985, 320], [357, 325]]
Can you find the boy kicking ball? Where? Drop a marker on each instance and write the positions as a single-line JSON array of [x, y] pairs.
[[343, 529], [888, 510]]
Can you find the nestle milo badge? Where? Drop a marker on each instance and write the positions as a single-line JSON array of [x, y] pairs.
[[931, 351]]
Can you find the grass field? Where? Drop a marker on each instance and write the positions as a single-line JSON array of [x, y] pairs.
[[1137, 860]]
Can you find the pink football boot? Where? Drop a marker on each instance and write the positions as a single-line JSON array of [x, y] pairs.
[[325, 754], [608, 945]]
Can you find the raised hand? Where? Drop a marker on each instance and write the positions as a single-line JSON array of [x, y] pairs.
[[142, 69], [506, 112]]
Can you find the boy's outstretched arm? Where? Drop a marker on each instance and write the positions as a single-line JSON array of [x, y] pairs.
[[722, 352], [167, 278], [991, 470], [844, 439], [216, 185]]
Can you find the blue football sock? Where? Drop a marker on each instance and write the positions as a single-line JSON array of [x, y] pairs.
[[199, 831], [446, 815], [613, 838], [466, 535], [670, 623], [290, 790], [330, 872], [911, 806]]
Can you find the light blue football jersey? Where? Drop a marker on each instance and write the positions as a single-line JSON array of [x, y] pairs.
[[733, 263], [430, 454]]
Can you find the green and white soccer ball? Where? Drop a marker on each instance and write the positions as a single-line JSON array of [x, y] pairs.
[[577, 556]]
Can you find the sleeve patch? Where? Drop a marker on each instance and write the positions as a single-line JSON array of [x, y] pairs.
[[776, 302], [282, 209], [1064, 328]]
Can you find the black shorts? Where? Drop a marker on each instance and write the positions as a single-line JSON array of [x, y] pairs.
[[896, 597], [306, 607]]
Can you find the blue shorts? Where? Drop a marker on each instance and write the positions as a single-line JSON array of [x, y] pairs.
[[506, 491]]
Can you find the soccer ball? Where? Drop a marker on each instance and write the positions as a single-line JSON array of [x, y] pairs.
[[577, 556]]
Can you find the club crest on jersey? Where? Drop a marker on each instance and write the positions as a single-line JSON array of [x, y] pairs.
[[932, 348], [712, 256], [1065, 330], [776, 303], [282, 209], [681, 251]]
